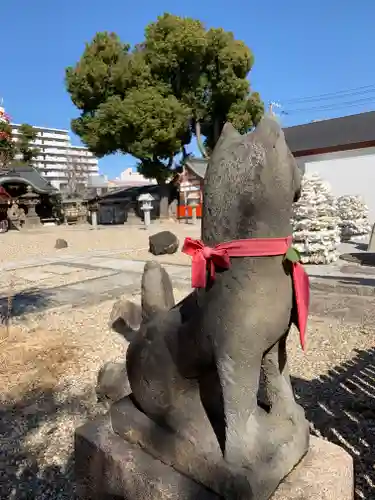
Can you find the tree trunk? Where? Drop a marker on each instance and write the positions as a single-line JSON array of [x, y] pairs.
[[164, 200], [199, 139], [217, 130]]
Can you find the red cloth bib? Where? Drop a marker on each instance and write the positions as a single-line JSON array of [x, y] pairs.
[[207, 259]]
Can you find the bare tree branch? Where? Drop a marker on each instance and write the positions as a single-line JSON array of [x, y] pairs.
[[76, 173]]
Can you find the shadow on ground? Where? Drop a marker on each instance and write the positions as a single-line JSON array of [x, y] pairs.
[[28, 470], [339, 405], [347, 280], [23, 303], [341, 408], [361, 246], [362, 258]]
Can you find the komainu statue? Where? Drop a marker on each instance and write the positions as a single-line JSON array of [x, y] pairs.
[[194, 368]]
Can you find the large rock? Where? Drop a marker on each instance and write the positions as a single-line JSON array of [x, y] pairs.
[[61, 243], [163, 243]]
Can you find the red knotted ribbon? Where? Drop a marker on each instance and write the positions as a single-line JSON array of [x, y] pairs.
[[207, 259]]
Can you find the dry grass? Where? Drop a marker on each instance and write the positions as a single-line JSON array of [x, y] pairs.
[[32, 360], [48, 368]]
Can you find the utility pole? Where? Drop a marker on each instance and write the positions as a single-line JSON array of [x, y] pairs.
[[271, 111]]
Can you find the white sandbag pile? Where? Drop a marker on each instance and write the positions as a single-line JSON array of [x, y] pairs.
[[316, 231], [354, 222]]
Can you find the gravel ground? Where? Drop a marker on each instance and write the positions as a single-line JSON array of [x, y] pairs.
[[49, 364], [20, 246]]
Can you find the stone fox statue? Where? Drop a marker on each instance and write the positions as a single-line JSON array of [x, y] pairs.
[[195, 367]]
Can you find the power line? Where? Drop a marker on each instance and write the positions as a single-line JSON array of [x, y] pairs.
[[330, 106], [367, 89]]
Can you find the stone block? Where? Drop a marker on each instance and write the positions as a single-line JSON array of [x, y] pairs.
[[108, 467], [325, 473]]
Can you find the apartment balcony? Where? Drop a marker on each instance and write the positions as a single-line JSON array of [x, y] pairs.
[[54, 159], [85, 165], [51, 149], [82, 159], [54, 173], [53, 135], [46, 138]]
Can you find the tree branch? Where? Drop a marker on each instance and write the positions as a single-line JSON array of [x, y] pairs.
[[199, 139]]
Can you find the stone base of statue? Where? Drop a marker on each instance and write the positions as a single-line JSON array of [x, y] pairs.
[[124, 455]]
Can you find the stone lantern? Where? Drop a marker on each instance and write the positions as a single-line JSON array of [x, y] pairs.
[[30, 200], [146, 199]]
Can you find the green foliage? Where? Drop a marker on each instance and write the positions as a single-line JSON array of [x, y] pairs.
[[7, 147], [24, 145], [149, 100]]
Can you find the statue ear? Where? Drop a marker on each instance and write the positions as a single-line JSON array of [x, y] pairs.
[[228, 135], [268, 130]]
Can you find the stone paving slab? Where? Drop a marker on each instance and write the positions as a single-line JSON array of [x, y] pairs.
[[111, 282], [108, 263], [337, 271], [61, 269], [93, 277]]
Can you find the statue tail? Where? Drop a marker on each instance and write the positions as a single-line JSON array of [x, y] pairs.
[[156, 291]]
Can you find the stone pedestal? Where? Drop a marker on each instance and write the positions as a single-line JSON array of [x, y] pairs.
[[31, 199], [108, 467], [32, 221]]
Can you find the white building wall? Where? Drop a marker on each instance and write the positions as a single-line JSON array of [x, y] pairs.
[[129, 175], [57, 155], [348, 172]]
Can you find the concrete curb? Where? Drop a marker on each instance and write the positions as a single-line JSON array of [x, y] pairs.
[[331, 285]]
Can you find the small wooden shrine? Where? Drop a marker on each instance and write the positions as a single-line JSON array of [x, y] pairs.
[[26, 198], [191, 188]]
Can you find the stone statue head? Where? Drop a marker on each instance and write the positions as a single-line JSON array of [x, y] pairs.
[[251, 183]]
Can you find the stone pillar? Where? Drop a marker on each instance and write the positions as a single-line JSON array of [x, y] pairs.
[[371, 245], [147, 217], [94, 219], [146, 200]]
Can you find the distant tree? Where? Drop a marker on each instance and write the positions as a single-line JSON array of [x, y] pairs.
[[148, 101], [25, 143], [7, 147], [76, 174]]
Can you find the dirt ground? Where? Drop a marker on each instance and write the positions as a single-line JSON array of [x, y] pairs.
[[130, 239], [48, 369]]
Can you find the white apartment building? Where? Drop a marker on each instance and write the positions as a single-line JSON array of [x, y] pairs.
[[58, 158]]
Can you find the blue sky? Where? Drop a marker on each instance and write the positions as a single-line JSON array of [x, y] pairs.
[[301, 49]]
